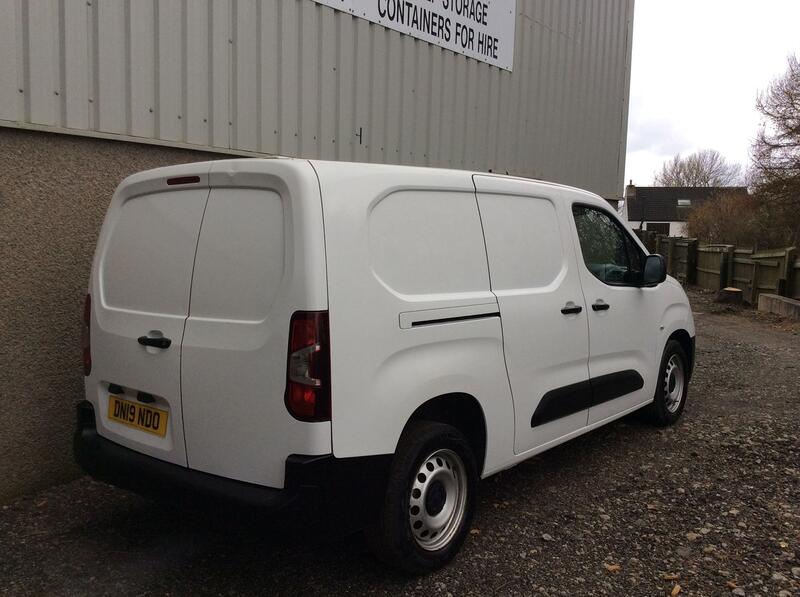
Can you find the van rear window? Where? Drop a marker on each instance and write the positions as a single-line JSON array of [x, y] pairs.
[[428, 242], [147, 262], [240, 255]]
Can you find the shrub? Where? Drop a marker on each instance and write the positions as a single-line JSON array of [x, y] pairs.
[[742, 220]]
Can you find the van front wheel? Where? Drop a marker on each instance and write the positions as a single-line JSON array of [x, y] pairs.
[[429, 501], [672, 387]]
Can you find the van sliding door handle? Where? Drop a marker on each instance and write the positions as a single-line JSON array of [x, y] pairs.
[[155, 342], [571, 309], [601, 307]]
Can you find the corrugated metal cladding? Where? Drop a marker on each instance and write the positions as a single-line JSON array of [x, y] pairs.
[[294, 77]]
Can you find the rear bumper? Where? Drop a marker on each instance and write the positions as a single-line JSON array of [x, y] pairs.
[[311, 481]]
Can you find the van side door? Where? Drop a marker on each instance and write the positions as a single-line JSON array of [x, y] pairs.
[[623, 318], [534, 274]]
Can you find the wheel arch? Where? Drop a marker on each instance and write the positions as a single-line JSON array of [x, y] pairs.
[[686, 341], [461, 410]]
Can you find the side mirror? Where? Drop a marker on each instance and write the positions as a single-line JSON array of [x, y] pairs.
[[655, 270]]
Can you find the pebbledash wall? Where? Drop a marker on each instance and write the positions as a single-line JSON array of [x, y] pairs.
[[54, 190], [91, 91]]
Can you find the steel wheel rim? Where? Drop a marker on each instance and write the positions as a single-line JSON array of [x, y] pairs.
[[674, 379], [437, 499]]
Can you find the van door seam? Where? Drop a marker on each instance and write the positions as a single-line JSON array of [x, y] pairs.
[[502, 331], [327, 276], [185, 321], [578, 263]]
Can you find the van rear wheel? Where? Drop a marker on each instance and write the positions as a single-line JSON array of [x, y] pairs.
[[429, 501]]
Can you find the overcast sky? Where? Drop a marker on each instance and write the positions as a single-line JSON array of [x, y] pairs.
[[697, 67]]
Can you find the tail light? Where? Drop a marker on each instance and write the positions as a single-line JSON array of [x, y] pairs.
[[86, 339], [308, 368]]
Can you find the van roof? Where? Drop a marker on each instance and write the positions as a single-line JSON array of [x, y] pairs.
[[239, 165], [410, 170]]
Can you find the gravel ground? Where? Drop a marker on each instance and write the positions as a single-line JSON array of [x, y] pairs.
[[708, 507]]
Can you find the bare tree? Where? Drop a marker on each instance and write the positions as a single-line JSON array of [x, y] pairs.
[[704, 168], [776, 150]]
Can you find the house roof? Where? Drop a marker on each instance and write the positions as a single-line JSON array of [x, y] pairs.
[[660, 204]]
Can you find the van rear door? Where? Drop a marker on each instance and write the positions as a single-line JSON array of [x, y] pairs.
[[260, 258], [140, 288]]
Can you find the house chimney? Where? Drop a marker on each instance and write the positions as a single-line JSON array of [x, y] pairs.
[[630, 191]]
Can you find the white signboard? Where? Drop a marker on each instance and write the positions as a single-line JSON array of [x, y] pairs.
[[480, 29]]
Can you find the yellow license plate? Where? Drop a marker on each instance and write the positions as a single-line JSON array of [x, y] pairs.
[[145, 418]]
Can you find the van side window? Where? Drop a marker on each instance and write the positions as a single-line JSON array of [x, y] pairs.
[[608, 252], [428, 242], [523, 241]]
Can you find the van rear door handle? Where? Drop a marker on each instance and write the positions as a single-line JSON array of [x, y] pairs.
[[155, 342], [601, 306], [571, 309]]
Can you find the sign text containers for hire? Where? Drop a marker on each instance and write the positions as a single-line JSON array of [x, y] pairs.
[[483, 30]]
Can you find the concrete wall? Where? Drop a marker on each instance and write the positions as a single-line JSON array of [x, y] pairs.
[[54, 190], [781, 305]]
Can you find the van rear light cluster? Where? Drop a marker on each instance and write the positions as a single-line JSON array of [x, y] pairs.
[[308, 368], [86, 336]]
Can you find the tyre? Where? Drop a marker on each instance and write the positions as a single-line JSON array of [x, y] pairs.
[[430, 499], [673, 386]]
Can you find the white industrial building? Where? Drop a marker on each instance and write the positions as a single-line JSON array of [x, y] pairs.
[[537, 88]]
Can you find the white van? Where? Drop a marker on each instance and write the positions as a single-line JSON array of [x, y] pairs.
[[369, 338]]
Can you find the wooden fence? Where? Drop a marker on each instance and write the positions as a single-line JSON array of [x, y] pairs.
[[794, 287], [714, 267]]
